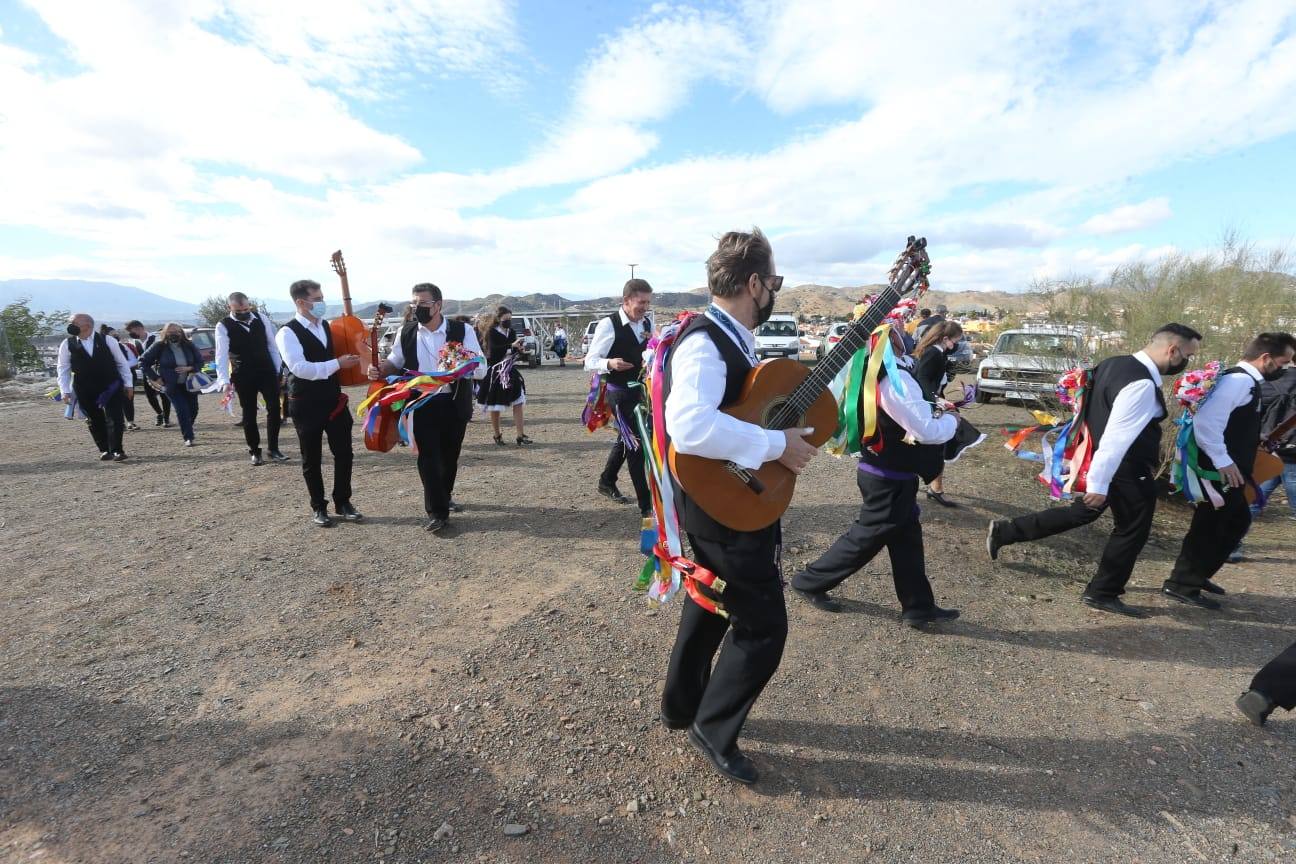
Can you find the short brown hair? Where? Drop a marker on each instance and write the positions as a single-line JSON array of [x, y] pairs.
[[302, 289], [737, 257], [1276, 344], [427, 288], [635, 286]]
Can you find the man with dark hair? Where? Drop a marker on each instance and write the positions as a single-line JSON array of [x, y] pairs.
[[706, 369], [616, 355], [92, 368], [247, 364], [157, 400], [1226, 428], [440, 423], [1122, 410], [929, 320], [316, 402]]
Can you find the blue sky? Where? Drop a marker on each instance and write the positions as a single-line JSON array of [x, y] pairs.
[[201, 146]]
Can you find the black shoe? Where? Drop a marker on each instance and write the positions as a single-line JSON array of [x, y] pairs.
[[435, 524], [276, 456], [919, 619], [614, 493], [1256, 706], [994, 538], [734, 765], [256, 458], [321, 518], [238, 424], [1191, 598], [672, 724], [1111, 604], [119, 456], [158, 422], [939, 498], [105, 456], [523, 439], [166, 423], [818, 599], [347, 512], [1213, 588], [455, 507]]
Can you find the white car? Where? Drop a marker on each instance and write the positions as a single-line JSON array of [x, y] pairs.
[[1026, 364], [778, 337]]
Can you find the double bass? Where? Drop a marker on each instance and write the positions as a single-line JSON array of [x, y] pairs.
[[349, 333], [784, 394]]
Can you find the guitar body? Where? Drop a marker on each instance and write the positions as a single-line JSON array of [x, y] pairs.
[[1267, 467], [383, 437], [350, 336], [722, 494]]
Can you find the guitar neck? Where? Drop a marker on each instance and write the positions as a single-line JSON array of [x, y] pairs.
[[1280, 431], [346, 294]]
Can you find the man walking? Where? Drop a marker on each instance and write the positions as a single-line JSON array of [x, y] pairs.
[[93, 370], [247, 364]]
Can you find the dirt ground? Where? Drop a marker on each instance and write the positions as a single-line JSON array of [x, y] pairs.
[[190, 671]]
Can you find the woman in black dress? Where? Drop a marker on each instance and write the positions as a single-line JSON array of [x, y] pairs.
[[933, 372], [503, 387]]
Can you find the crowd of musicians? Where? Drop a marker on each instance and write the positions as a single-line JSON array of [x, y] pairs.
[[720, 664]]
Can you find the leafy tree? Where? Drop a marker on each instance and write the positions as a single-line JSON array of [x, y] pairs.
[[212, 310], [22, 328]]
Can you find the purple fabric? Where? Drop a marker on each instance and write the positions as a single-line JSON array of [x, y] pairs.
[[884, 473]]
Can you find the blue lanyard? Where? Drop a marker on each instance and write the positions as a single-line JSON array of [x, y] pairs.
[[726, 322]]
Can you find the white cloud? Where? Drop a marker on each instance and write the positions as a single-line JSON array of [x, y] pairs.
[[1130, 217]]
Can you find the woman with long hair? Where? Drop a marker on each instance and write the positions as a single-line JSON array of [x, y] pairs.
[[174, 358], [503, 387], [932, 371]]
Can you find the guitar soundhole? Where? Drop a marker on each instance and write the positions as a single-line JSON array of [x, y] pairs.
[[771, 420]]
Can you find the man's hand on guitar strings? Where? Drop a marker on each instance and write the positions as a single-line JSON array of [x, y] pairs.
[[797, 452]]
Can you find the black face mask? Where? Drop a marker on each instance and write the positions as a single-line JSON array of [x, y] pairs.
[[763, 313], [423, 314], [1178, 366], [1274, 375], [505, 325], [73, 330], [243, 316], [173, 339]]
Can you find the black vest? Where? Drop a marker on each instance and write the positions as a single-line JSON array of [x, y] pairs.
[[737, 366], [91, 374], [1242, 432], [1109, 378], [462, 390], [888, 449], [248, 351], [626, 346], [308, 397]]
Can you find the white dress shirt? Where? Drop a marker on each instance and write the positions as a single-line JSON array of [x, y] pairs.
[[1134, 407], [290, 350], [1229, 393], [429, 343], [697, 426], [114, 351], [596, 359], [912, 411], [222, 346]]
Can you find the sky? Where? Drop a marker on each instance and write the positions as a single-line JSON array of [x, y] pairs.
[[196, 147]]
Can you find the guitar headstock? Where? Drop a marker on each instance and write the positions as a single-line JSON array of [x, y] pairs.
[[339, 266], [914, 255], [380, 313]]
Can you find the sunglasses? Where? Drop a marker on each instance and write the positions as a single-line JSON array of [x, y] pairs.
[[775, 283]]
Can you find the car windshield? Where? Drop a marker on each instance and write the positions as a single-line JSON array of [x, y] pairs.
[[1053, 344], [202, 340], [777, 328]]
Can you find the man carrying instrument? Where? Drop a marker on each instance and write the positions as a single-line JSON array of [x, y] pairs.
[[705, 372], [616, 353], [247, 364], [316, 403], [1227, 429], [1121, 413], [93, 370], [440, 423], [907, 444]]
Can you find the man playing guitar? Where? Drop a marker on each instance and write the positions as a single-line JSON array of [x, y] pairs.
[[705, 372]]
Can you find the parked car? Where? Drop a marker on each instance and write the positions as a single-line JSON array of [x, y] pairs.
[[525, 328], [204, 339], [588, 337], [831, 338], [1025, 364], [778, 337]]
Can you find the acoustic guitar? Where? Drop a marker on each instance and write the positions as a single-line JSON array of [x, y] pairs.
[[382, 438], [348, 331], [1268, 465], [784, 394]]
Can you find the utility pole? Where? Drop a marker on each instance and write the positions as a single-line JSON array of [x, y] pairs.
[[632, 268]]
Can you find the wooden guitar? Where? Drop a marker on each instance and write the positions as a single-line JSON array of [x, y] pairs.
[[784, 394], [1267, 465], [348, 331], [384, 435]]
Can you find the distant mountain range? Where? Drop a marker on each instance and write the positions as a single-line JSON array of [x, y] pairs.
[[104, 301]]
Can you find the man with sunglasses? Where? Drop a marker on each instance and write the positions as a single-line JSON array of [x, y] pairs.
[[440, 423]]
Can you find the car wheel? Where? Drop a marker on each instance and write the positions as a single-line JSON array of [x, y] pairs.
[[983, 398]]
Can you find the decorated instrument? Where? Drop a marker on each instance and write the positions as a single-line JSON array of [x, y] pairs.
[[784, 394], [1268, 465], [349, 333], [384, 434]]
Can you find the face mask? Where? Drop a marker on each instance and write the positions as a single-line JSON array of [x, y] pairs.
[[504, 325], [73, 330], [1275, 374], [319, 309], [423, 314], [1178, 366], [173, 338], [763, 313], [243, 316]]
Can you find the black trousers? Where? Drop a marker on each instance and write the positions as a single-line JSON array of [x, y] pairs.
[[312, 429], [750, 641], [1277, 679], [888, 518], [626, 401], [1132, 502], [439, 434], [159, 402], [107, 423], [128, 405], [249, 387], [1212, 535]]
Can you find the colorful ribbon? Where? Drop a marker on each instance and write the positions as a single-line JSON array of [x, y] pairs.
[[406, 393], [858, 383]]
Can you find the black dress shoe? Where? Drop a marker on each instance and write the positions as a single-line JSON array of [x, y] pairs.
[[158, 422], [818, 599], [673, 724], [921, 618], [1111, 604], [733, 765], [1256, 706], [435, 524], [1191, 598], [994, 538], [119, 456], [939, 498], [1213, 588], [455, 507], [614, 493], [347, 512], [105, 456], [321, 518], [256, 458], [276, 456]]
